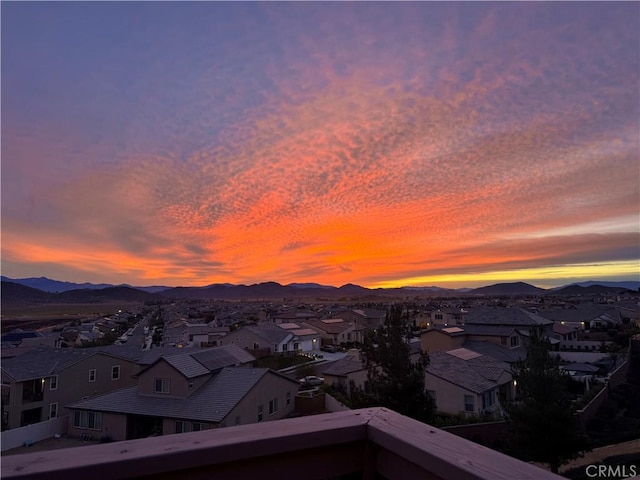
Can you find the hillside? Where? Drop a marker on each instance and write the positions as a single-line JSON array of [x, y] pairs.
[[517, 288], [15, 294], [590, 290]]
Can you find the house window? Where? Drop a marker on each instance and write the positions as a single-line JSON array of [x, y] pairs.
[[260, 412], [349, 337], [256, 346], [273, 406], [53, 382], [469, 403], [183, 426], [275, 348], [53, 410], [438, 316], [288, 398], [237, 420], [90, 420], [515, 341], [190, 384], [488, 399], [296, 346], [432, 394], [92, 375], [285, 347], [161, 385], [115, 372]]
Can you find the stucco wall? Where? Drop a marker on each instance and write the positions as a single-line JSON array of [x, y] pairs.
[[269, 387], [178, 386]]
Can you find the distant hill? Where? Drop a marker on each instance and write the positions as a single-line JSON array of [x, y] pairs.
[[125, 294], [517, 288], [14, 293], [56, 286], [630, 285], [308, 285], [53, 286], [590, 290]]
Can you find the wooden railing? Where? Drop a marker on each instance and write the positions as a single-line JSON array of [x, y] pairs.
[[373, 443]]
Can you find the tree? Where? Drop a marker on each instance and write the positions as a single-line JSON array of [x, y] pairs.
[[393, 380], [542, 421]]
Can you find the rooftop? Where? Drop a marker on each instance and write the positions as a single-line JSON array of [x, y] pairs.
[[373, 443]]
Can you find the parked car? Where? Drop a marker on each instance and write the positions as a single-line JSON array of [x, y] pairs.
[[311, 381], [329, 348]]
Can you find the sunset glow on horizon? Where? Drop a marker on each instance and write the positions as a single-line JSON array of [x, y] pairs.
[[455, 144]]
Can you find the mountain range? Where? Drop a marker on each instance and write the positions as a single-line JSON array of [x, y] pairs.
[[45, 290]]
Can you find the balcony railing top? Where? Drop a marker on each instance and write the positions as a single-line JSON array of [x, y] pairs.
[[370, 443]]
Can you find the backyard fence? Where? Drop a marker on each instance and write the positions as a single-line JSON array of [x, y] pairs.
[[33, 433]]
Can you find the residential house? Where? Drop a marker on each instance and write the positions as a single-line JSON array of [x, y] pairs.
[[585, 316], [88, 336], [265, 338], [567, 333], [38, 384], [346, 370], [196, 334], [305, 340], [447, 317], [464, 381], [369, 317], [187, 392], [292, 315], [518, 318], [336, 331], [509, 327]]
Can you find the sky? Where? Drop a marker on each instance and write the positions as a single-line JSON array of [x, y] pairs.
[[383, 144]]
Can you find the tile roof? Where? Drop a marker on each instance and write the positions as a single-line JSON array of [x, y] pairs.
[[46, 361], [343, 367], [517, 317], [187, 365], [210, 403], [270, 332], [225, 356], [477, 374], [582, 313], [494, 350], [329, 327]]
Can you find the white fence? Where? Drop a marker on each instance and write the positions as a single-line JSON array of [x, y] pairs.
[[33, 433], [333, 405]]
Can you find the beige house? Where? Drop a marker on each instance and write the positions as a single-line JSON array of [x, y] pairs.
[[447, 317], [186, 393], [464, 381], [447, 338], [346, 370], [37, 385], [335, 331], [265, 337]]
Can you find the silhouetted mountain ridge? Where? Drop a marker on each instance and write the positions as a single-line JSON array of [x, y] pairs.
[[13, 291]]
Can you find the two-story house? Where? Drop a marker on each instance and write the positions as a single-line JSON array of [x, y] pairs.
[[38, 384], [187, 392], [448, 317]]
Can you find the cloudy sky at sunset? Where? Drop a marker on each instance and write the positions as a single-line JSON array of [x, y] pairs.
[[382, 144]]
